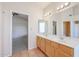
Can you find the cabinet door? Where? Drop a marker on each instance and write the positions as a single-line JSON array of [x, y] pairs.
[[63, 54], [48, 48], [43, 44], [67, 50], [56, 49], [38, 41], [52, 51], [57, 52]]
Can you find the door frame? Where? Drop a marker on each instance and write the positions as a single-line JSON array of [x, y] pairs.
[[11, 17]]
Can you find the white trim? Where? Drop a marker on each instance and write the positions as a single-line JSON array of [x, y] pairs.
[[11, 11]]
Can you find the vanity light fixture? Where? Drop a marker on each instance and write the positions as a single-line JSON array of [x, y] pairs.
[[58, 8], [62, 6], [67, 3]]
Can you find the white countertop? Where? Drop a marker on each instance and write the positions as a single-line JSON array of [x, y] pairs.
[[71, 42]]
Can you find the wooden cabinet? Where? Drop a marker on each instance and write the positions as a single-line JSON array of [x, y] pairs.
[[57, 52], [67, 50], [43, 44], [55, 46], [62, 54], [48, 47], [38, 42], [54, 49]]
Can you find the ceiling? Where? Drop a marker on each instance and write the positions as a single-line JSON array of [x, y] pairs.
[[52, 7], [42, 5], [39, 5]]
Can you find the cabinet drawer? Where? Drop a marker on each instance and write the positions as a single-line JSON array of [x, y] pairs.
[[52, 43], [67, 50], [56, 45], [48, 42]]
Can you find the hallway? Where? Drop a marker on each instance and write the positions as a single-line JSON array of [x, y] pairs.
[[20, 44], [19, 32]]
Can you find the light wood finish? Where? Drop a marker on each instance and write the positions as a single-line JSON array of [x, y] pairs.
[[54, 44], [62, 54], [67, 50], [51, 48], [52, 51], [48, 47], [56, 49], [43, 45], [38, 41], [57, 52], [67, 28], [31, 53]]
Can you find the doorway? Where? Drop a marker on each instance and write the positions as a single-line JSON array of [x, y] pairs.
[[19, 32]]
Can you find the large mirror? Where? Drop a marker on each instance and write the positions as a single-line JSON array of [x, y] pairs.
[[54, 27], [76, 29], [42, 27]]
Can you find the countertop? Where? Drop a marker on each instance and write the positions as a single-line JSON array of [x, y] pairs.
[[71, 42]]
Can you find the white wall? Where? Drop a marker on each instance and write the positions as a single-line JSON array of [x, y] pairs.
[[0, 29], [34, 15], [20, 27]]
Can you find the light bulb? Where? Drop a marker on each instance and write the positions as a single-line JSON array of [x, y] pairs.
[[58, 8], [67, 3], [62, 6]]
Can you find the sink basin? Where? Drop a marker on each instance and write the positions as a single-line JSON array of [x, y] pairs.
[[62, 40]]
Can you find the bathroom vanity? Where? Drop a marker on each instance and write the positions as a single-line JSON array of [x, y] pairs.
[[59, 33], [54, 46]]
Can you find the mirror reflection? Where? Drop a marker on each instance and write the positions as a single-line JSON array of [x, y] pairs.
[[42, 27], [54, 27], [67, 28], [76, 28]]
